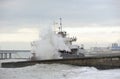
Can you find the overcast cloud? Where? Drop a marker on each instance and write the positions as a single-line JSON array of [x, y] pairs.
[[16, 13], [20, 14]]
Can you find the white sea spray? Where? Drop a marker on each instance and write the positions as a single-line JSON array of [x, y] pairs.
[[48, 45]]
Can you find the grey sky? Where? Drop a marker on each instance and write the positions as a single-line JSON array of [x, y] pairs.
[[17, 14], [14, 13]]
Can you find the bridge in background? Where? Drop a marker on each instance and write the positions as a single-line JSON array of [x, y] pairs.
[[7, 54]]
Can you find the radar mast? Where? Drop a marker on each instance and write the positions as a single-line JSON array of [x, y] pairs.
[[60, 27]]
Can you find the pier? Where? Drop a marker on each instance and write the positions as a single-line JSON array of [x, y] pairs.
[[109, 62], [7, 54]]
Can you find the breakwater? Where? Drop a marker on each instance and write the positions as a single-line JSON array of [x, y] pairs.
[[98, 62]]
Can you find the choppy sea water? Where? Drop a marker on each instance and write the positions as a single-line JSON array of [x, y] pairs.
[[58, 71]]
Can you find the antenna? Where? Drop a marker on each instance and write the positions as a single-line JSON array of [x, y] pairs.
[[60, 28]]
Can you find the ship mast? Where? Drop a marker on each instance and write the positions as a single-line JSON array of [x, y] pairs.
[[60, 28]]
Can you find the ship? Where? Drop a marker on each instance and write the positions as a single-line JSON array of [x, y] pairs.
[[74, 51]]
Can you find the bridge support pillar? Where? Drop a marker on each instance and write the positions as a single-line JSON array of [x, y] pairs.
[[1, 55], [10, 55]]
